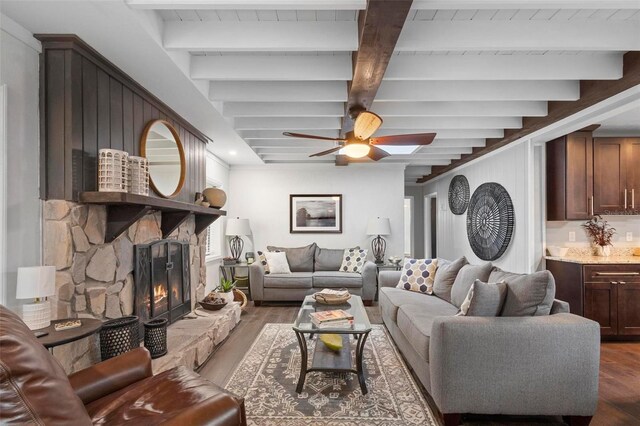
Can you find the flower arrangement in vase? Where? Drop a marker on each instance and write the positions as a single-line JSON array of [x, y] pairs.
[[600, 233]]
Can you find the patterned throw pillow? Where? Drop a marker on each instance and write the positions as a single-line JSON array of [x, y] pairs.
[[418, 275], [263, 262], [353, 260]]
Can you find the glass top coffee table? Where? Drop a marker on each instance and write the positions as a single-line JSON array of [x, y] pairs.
[[324, 359]]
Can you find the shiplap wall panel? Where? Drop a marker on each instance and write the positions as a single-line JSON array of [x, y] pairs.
[[509, 168], [89, 105]]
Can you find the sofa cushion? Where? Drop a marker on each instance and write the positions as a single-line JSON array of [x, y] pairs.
[[527, 294], [263, 261], [300, 258], [415, 322], [445, 276], [292, 280], [468, 275], [336, 279], [391, 299], [484, 299], [353, 260], [277, 263], [159, 399], [417, 275], [328, 259]]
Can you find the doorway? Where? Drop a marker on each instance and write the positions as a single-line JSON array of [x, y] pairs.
[[431, 225]]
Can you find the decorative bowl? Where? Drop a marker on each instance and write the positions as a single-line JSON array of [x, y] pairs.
[[330, 301], [212, 306], [557, 251], [216, 197]]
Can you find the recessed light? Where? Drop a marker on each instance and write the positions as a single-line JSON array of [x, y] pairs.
[[233, 152]]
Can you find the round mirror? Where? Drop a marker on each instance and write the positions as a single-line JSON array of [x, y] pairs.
[[161, 145]]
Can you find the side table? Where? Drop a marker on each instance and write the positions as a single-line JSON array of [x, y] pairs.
[[381, 266], [231, 269], [56, 338]]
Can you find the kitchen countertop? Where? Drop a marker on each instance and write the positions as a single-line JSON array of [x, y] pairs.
[[586, 260]]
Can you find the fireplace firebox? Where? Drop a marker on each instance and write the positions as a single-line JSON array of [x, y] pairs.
[[162, 280]]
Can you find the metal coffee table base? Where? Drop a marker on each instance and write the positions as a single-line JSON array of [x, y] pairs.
[[326, 360]]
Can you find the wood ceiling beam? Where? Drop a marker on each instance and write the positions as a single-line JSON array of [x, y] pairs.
[[249, 4], [271, 68], [261, 36], [529, 90], [592, 92], [598, 35], [603, 66], [379, 27], [442, 134], [523, 4], [278, 91], [461, 109], [284, 123], [287, 109]]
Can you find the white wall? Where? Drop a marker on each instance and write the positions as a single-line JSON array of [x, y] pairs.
[[513, 169], [261, 194], [19, 72], [218, 175]]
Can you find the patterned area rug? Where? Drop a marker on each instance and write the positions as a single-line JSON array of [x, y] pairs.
[[268, 374]]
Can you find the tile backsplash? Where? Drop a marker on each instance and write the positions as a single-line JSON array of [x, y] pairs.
[[558, 235]]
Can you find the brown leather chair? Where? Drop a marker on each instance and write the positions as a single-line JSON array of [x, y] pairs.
[[35, 390]]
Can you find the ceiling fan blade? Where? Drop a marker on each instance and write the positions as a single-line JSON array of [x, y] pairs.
[[412, 139], [366, 125], [329, 151], [376, 153], [303, 135]]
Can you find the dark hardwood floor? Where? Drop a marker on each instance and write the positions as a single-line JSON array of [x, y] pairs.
[[619, 401]]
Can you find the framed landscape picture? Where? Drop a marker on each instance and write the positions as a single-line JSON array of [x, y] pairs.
[[315, 213]]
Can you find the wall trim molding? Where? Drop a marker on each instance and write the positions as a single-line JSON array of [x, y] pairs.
[[3, 194], [16, 30]]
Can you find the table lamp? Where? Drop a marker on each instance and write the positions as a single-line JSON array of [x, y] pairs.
[[38, 283], [235, 228], [379, 226]]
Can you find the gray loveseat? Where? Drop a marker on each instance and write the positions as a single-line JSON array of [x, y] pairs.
[[527, 365], [312, 269]]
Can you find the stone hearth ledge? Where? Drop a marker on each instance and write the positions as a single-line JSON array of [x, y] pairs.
[[191, 341]]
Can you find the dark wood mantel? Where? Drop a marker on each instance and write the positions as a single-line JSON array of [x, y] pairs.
[[124, 209]]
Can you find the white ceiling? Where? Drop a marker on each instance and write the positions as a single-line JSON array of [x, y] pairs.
[[466, 69], [625, 124]]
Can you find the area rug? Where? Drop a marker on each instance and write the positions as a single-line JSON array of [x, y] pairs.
[[268, 374]]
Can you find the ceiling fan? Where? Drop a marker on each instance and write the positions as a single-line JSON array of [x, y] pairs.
[[359, 143]]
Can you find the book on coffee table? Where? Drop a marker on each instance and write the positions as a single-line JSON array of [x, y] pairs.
[[334, 316]]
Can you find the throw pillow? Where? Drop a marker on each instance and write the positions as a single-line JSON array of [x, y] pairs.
[[263, 262], [468, 275], [277, 261], [445, 276], [484, 299], [353, 260], [328, 259], [300, 258], [527, 294], [417, 275]]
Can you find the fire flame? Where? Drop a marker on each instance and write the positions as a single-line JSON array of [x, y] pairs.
[[159, 294]]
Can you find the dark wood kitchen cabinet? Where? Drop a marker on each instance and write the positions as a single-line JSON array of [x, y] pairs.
[[606, 293], [609, 175], [570, 177]]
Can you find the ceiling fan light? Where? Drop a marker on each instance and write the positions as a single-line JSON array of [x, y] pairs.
[[356, 150]]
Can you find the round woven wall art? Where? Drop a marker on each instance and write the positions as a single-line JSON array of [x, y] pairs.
[[490, 221], [458, 194]]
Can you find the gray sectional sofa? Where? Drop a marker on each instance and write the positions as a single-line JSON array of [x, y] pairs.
[[312, 269], [545, 364]]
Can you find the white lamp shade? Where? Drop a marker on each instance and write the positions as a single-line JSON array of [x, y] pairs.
[[36, 281], [238, 227], [379, 226]]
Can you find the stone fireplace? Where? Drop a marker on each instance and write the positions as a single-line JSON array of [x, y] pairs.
[[95, 279]]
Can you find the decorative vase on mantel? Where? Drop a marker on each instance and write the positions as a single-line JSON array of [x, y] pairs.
[[603, 251]]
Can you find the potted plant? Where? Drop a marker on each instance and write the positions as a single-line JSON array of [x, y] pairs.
[[600, 233], [225, 289]]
